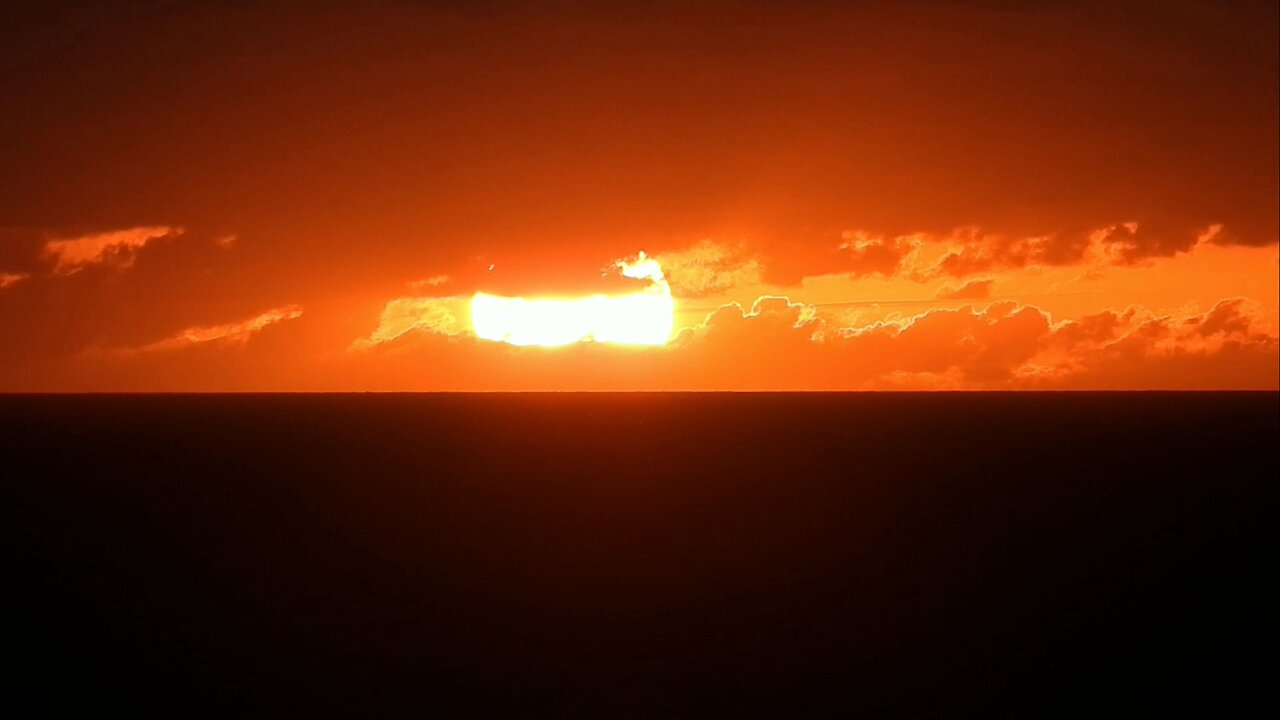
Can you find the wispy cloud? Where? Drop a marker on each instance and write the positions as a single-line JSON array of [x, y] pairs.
[[117, 248], [972, 290], [7, 279], [429, 282], [230, 333]]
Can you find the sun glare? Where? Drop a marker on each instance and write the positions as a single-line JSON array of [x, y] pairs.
[[638, 318]]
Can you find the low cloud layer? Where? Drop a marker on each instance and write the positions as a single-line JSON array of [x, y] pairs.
[[777, 344], [975, 250], [1008, 346], [711, 267]]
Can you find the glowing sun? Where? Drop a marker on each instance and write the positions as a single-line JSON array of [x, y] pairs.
[[638, 318]]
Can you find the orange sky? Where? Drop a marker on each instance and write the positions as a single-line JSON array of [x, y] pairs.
[[303, 196]]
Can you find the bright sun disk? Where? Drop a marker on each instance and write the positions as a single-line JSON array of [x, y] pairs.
[[638, 318]]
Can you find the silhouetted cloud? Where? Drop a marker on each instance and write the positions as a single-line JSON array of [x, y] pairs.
[[964, 252], [976, 250]]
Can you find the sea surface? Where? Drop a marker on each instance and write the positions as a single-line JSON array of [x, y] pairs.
[[643, 555]]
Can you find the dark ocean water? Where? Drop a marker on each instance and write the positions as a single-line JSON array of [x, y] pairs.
[[644, 555]]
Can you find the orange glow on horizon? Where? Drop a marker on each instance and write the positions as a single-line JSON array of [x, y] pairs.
[[875, 197]]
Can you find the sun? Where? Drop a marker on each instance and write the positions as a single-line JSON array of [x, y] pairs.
[[638, 318]]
